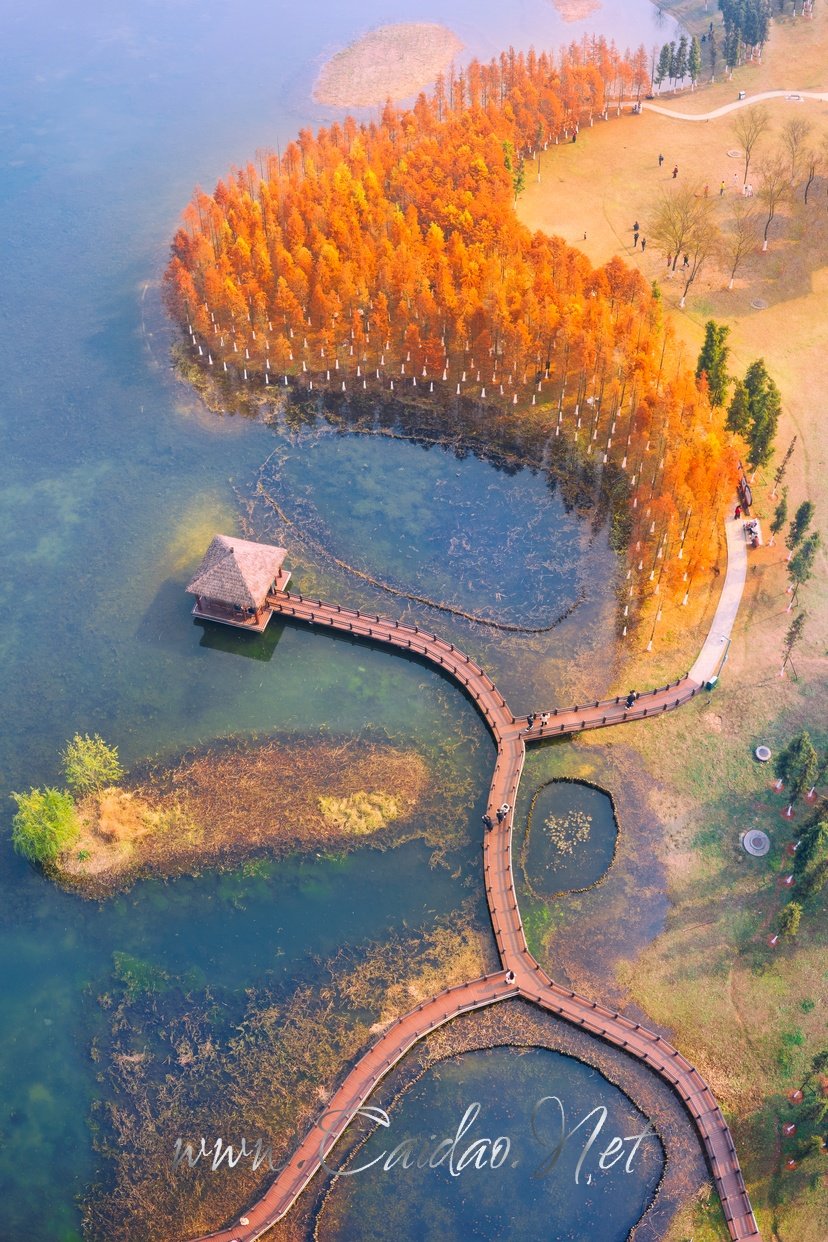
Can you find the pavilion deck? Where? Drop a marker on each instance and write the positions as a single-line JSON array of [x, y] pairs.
[[214, 610]]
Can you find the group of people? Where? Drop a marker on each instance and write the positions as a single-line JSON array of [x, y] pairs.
[[636, 232], [631, 697], [501, 813], [751, 527], [532, 717]]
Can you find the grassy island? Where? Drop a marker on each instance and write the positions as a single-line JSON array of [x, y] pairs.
[[222, 805]]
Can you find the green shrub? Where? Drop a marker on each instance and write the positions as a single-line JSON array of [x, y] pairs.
[[89, 763], [45, 824]]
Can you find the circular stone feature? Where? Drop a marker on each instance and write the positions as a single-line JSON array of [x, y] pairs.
[[759, 304], [735, 154], [763, 753], [756, 843]]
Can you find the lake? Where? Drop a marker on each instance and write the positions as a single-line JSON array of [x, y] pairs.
[[112, 481]]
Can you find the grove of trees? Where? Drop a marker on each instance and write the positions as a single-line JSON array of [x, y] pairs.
[[388, 255]]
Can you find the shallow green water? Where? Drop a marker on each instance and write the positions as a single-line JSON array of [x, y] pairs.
[[521, 1144], [112, 481]]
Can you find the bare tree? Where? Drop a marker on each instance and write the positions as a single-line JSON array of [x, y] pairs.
[[811, 159], [749, 126], [794, 136], [703, 242], [676, 219], [773, 189], [741, 239]]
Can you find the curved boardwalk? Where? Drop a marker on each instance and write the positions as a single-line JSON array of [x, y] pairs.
[[521, 975]]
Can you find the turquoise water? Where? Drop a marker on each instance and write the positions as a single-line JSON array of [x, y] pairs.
[[112, 481], [542, 1148]]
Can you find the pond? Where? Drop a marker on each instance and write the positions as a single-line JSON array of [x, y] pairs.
[[508, 1144], [569, 839], [113, 479]]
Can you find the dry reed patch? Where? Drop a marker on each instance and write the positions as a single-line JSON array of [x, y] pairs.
[[576, 10], [393, 61], [221, 805]]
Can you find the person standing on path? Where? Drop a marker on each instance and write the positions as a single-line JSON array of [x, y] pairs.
[[721, 190], [675, 171], [660, 159], [635, 239], [643, 243]]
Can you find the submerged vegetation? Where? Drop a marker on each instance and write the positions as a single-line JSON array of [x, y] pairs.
[[388, 257], [180, 1072]]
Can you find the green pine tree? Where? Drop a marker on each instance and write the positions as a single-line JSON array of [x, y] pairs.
[[780, 514], [790, 918], [802, 564], [797, 765], [799, 525], [694, 62], [713, 361]]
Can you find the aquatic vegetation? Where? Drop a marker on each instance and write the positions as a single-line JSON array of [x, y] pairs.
[[567, 831], [361, 812], [180, 1075]]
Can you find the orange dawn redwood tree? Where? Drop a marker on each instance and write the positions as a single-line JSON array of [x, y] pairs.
[[390, 252]]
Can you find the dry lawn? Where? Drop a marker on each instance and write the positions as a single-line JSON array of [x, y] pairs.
[[750, 1017]]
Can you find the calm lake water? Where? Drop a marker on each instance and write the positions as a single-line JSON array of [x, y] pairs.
[[112, 481], [491, 1130]]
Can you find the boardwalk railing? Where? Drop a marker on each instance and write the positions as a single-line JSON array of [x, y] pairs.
[[521, 975]]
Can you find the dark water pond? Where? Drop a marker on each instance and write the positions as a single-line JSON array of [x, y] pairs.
[[112, 481], [521, 1144], [569, 840]]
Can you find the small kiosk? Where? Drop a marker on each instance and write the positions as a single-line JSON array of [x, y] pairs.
[[233, 582]]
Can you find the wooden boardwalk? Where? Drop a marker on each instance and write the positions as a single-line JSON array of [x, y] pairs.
[[521, 976]]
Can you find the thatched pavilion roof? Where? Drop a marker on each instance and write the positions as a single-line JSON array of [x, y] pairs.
[[237, 571]]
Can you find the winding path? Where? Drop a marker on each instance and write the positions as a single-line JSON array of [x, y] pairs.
[[521, 976], [792, 95]]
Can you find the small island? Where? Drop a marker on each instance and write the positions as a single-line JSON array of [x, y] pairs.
[[392, 62], [213, 808]]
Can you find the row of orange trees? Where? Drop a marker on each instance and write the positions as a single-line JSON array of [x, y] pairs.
[[390, 255]]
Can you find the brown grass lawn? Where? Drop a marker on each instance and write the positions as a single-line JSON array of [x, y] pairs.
[[751, 1017]]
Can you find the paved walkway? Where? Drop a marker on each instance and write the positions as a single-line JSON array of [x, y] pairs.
[[521, 976], [794, 96], [712, 655]]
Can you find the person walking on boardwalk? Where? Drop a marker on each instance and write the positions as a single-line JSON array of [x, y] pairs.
[[488, 822], [544, 719], [530, 720]]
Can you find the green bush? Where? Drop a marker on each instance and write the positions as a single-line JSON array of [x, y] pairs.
[[45, 824], [89, 763]]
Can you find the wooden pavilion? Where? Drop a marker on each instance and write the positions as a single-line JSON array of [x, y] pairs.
[[233, 582]]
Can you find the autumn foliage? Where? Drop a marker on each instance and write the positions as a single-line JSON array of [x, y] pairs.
[[389, 256]]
